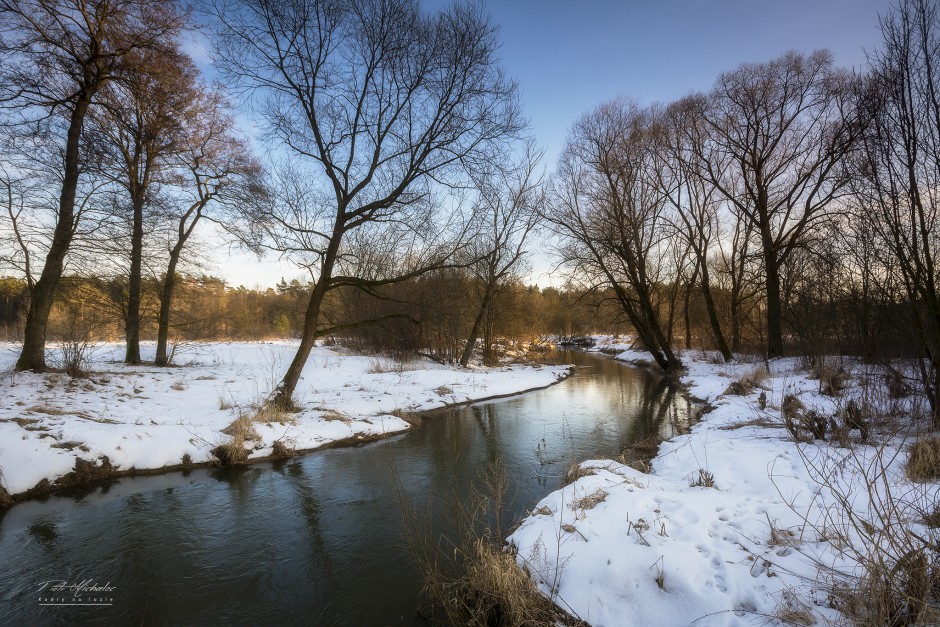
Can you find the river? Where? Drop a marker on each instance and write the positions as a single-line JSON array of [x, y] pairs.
[[318, 539]]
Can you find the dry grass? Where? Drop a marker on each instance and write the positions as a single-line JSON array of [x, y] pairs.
[[705, 480], [269, 412], [234, 452], [830, 373], [765, 423], [792, 610], [497, 592], [411, 417], [329, 414], [748, 382], [575, 472], [282, 450], [894, 573], [923, 461], [49, 410], [71, 445], [591, 500], [471, 579], [179, 386]]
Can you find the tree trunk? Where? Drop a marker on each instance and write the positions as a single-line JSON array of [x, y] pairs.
[[720, 340], [685, 309], [33, 355], [774, 309], [672, 362], [475, 329], [132, 322], [285, 390], [166, 299]]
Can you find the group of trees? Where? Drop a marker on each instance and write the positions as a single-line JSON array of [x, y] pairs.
[[791, 206], [792, 189], [382, 119], [113, 149], [433, 314]]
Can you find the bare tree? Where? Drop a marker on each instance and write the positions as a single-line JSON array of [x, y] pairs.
[[140, 126], [214, 168], [900, 186], [609, 210], [694, 198], [508, 203], [381, 102], [782, 129], [55, 56]]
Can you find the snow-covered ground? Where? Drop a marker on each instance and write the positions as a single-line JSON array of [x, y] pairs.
[[146, 417], [766, 544]]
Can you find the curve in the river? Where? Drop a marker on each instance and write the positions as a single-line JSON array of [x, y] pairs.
[[317, 539]]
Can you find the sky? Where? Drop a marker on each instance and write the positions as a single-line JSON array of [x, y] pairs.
[[568, 56]]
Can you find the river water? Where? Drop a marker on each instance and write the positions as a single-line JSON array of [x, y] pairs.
[[318, 539]]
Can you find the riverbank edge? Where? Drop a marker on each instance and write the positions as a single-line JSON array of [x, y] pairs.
[[647, 449], [87, 473]]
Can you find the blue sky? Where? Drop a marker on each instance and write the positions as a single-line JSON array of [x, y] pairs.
[[569, 56]]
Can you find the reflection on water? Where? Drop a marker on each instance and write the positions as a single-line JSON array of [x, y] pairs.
[[318, 539]]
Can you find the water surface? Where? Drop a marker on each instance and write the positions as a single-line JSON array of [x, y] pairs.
[[317, 539]]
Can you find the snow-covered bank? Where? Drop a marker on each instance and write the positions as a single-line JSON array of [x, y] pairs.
[[146, 417], [737, 523]]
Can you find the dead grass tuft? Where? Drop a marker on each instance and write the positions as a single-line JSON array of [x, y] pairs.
[[792, 610], [496, 591], [329, 414], [48, 410], [575, 472], [705, 480], [234, 452], [748, 382], [591, 500], [282, 450], [765, 423], [472, 579], [923, 461], [271, 412]]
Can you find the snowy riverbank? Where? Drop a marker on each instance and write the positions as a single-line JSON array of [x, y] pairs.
[[145, 417], [737, 523]]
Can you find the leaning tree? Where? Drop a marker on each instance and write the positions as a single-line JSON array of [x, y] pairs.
[[379, 103], [609, 211]]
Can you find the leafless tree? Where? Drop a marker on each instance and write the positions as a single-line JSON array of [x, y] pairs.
[[55, 57], [900, 186], [782, 130], [609, 210], [215, 174], [507, 213], [380, 102], [693, 197], [139, 127]]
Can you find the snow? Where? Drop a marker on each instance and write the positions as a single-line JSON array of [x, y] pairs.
[[621, 547], [145, 417]]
